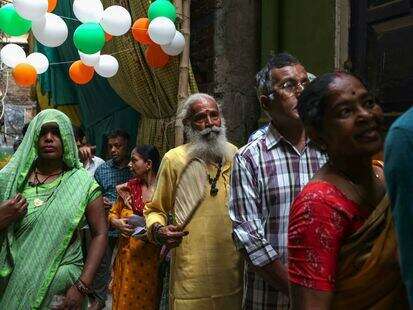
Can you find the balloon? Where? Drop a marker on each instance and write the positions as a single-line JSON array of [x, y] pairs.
[[39, 62], [89, 59], [161, 30], [88, 11], [25, 75], [89, 38], [50, 31], [31, 9], [80, 73], [162, 8], [52, 5], [140, 31], [108, 37], [155, 57], [11, 22], [107, 67], [12, 55], [116, 20], [176, 46]]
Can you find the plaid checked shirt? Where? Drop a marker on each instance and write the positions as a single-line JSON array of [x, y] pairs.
[[267, 175], [108, 175]]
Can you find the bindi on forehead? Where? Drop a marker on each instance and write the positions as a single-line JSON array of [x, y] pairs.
[[202, 106]]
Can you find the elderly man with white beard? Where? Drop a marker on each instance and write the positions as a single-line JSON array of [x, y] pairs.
[[192, 185]]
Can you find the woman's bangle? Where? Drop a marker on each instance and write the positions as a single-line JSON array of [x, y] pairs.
[[155, 234], [82, 288]]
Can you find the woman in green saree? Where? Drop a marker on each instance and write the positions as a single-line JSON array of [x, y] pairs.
[[45, 195]]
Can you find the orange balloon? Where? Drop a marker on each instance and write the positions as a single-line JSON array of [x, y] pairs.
[[140, 31], [156, 57], [52, 5], [80, 73], [25, 75], [108, 37]]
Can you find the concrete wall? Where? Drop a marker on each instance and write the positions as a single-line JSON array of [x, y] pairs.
[[232, 39], [227, 68]]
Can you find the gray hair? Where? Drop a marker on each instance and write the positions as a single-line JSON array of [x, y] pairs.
[[264, 78], [185, 109]]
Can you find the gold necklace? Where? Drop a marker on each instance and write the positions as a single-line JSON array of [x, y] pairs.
[[353, 184]]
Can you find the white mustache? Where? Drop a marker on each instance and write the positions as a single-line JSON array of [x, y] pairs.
[[207, 131]]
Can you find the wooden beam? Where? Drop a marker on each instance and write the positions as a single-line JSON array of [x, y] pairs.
[[183, 88]]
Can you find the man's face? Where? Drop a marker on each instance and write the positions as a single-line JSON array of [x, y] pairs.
[[288, 83], [118, 149], [205, 114]]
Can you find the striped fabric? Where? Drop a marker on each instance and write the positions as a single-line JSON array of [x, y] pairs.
[[268, 173]]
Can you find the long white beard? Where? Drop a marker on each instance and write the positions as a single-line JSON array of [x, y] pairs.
[[209, 144]]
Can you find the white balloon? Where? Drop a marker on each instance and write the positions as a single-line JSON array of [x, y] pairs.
[[39, 62], [107, 67], [116, 20], [176, 46], [89, 59], [12, 55], [31, 9], [51, 30], [88, 11], [161, 30]]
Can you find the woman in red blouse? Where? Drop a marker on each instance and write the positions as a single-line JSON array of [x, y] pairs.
[[341, 241]]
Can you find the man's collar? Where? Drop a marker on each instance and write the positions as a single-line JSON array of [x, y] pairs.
[[273, 137], [112, 163]]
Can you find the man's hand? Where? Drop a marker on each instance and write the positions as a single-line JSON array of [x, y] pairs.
[[123, 225], [86, 153], [170, 236], [12, 209]]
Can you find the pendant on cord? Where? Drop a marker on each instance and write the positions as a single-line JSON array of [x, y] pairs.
[[213, 181], [38, 202]]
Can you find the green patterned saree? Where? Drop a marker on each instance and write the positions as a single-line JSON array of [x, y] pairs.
[[38, 256]]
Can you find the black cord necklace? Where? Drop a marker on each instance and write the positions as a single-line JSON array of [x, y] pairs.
[[38, 182], [37, 202], [213, 181]]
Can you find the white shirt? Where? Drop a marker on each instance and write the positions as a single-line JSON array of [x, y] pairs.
[[93, 165]]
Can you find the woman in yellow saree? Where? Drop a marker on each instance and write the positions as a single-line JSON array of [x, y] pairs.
[[341, 239], [45, 195], [135, 270]]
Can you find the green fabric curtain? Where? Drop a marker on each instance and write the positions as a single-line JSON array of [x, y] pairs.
[[101, 109], [152, 92]]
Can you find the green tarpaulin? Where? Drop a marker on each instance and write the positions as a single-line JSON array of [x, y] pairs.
[[101, 109]]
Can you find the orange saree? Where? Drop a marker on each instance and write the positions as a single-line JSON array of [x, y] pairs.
[[368, 263], [135, 274]]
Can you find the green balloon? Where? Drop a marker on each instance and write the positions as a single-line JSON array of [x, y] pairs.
[[89, 38], [11, 23], [162, 8]]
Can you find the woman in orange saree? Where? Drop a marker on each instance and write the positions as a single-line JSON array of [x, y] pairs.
[[135, 279], [341, 239]]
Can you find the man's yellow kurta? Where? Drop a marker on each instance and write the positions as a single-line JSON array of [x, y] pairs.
[[206, 271]]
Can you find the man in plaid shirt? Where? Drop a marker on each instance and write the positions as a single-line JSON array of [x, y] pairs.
[[267, 175]]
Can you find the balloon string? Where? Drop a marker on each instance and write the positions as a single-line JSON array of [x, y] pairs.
[[69, 18], [68, 62], [61, 63]]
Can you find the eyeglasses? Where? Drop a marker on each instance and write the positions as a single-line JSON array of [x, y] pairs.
[[291, 87]]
